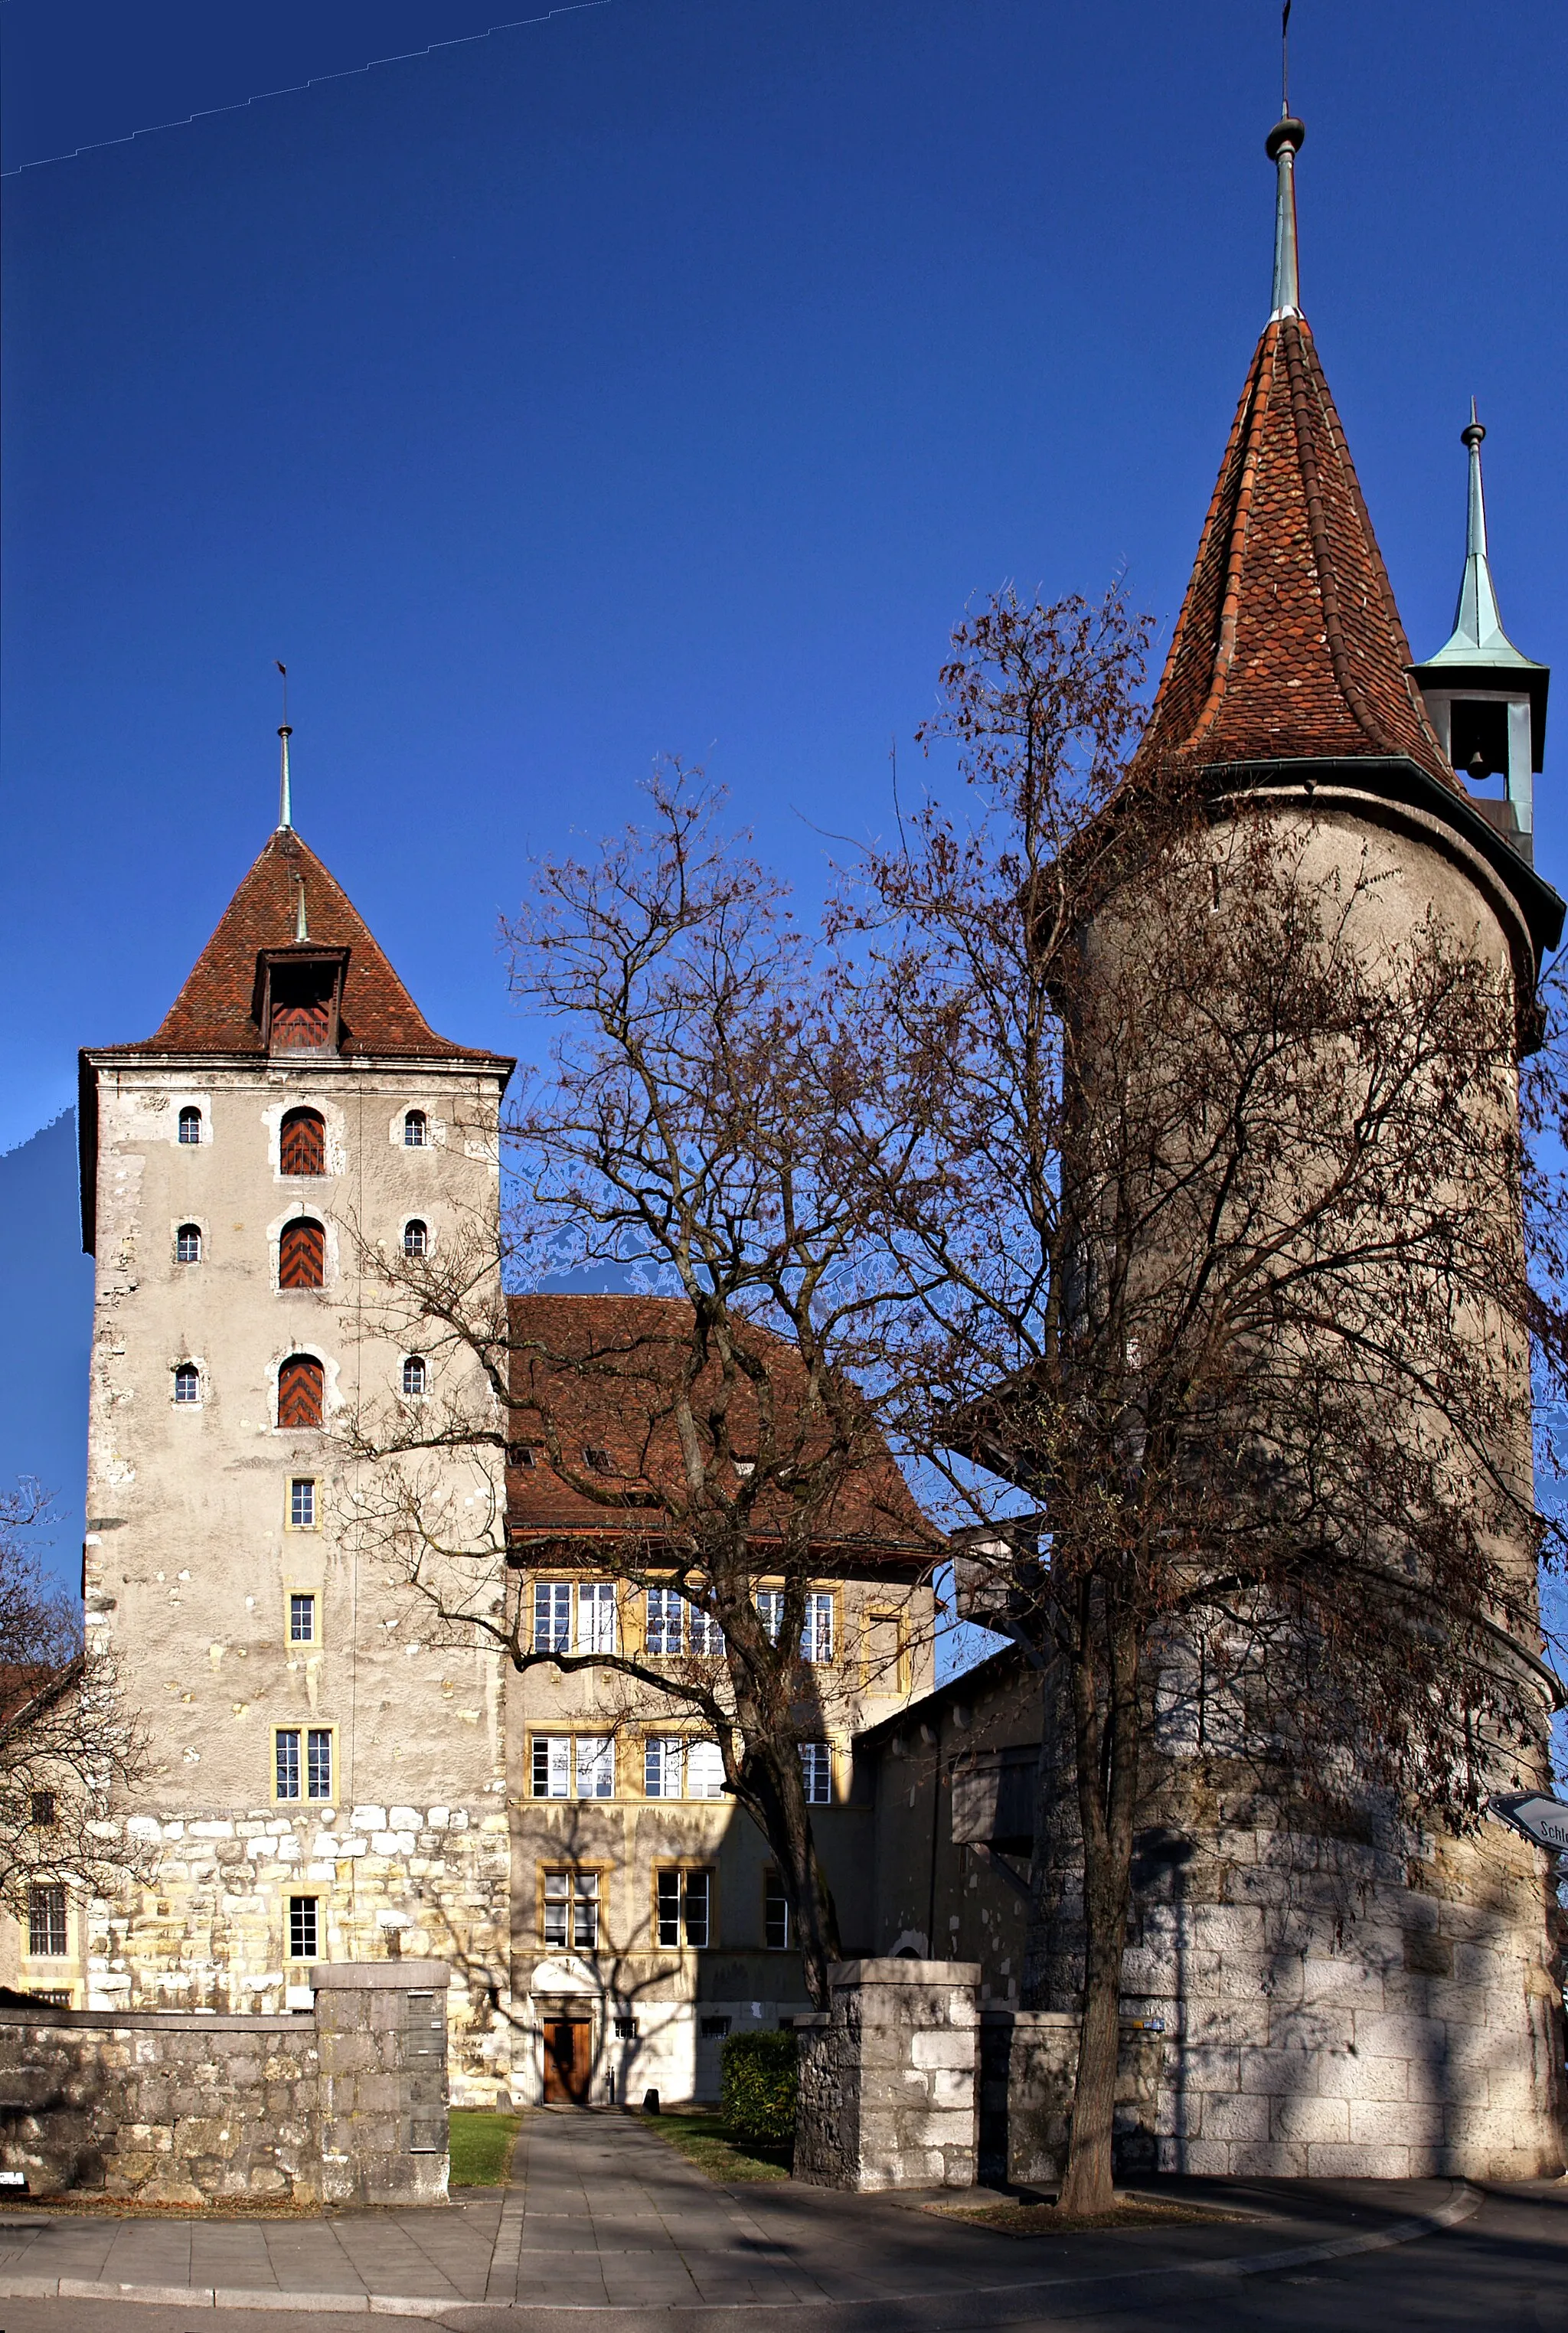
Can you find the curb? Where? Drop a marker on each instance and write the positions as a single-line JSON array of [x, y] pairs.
[[808, 2316]]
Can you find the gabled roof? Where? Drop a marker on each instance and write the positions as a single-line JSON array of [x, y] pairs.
[[215, 1011], [599, 1372], [1289, 646]]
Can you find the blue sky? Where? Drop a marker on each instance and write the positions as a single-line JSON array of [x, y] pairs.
[[665, 378]]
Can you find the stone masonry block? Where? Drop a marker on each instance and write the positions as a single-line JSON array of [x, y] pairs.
[[1241, 2116], [1382, 2122], [1341, 2075], [945, 2050], [1310, 2118], [1278, 2159], [1336, 2161]]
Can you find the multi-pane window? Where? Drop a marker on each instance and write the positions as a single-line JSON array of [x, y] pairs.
[[817, 1768], [416, 1237], [706, 1636], [665, 1620], [685, 1904], [770, 1611], [313, 1749], [302, 1503], [44, 1810], [663, 1765], [46, 1935], [595, 1766], [187, 1383], [303, 1143], [190, 1125], [303, 1254], [775, 1914], [704, 1771], [566, 1765], [596, 1617], [551, 1616], [188, 1243], [552, 1765], [817, 1635], [301, 1619], [597, 1460], [416, 1130], [304, 1927], [571, 1909], [301, 1386], [415, 1374]]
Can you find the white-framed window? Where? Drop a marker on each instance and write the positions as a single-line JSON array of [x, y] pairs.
[[301, 1619], [817, 1767], [777, 1926], [416, 1237], [188, 1243], [188, 1385], [415, 1376], [552, 1616], [303, 1763], [48, 1934], [304, 1927], [704, 1771], [302, 1503], [666, 1621], [683, 1906], [770, 1611], [552, 1765], [596, 1616], [595, 1766], [706, 1636], [663, 1765], [416, 1130], [569, 1905], [817, 1635], [190, 1124]]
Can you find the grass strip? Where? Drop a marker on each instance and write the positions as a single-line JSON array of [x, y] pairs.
[[1007, 2219], [705, 2141], [481, 2144]]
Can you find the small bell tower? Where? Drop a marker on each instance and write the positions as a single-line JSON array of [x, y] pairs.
[[1487, 702]]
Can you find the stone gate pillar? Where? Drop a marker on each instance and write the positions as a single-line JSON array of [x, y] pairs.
[[887, 2077], [381, 2031]]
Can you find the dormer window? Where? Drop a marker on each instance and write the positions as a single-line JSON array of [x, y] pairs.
[[190, 1124], [416, 1131], [298, 995]]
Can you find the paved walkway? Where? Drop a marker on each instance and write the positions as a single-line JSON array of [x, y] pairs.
[[602, 2216]]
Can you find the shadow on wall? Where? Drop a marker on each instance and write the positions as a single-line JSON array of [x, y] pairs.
[[49, 1316]]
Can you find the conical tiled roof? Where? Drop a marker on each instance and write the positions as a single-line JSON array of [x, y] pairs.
[[1289, 646], [215, 1011]]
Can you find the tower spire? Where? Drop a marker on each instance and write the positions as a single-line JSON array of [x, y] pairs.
[[1284, 143], [1477, 623], [285, 808]]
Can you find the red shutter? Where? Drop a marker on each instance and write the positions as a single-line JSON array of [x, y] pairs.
[[300, 1392], [303, 1148], [301, 1257]]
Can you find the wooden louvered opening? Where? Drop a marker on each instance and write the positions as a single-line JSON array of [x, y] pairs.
[[302, 1144], [303, 1255], [300, 1387]]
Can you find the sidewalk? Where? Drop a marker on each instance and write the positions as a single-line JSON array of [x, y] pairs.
[[601, 2216]]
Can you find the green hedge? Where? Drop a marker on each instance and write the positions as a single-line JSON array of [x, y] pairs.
[[758, 2087]]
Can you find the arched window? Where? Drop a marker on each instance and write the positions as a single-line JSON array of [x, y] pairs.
[[303, 1143], [416, 1130], [186, 1384], [303, 1255], [300, 1387], [415, 1238], [414, 1374], [188, 1243], [190, 1124]]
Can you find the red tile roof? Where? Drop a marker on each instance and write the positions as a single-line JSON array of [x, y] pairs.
[[213, 1012], [601, 1371], [1289, 645]]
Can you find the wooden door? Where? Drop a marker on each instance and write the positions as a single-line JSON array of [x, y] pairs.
[[568, 2060]]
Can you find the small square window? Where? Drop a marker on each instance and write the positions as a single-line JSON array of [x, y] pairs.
[[715, 2029], [46, 1931], [302, 1504], [304, 1928], [301, 1619], [520, 1454], [626, 2029], [596, 1460]]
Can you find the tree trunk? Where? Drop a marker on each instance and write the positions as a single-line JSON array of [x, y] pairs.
[[1106, 1739], [775, 1797]]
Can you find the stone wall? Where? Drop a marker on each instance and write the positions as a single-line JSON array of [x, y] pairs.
[[346, 2103], [886, 2078], [1028, 2064]]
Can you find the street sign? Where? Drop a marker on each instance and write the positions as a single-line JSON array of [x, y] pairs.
[[1544, 1821]]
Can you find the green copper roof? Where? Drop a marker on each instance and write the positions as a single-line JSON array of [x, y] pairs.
[[1478, 638]]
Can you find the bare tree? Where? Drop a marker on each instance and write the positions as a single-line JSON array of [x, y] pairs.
[[1218, 1305], [65, 1741], [719, 1429]]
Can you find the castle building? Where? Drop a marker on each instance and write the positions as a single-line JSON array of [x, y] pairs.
[[329, 1777]]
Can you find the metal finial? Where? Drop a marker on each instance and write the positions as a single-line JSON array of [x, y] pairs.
[[1282, 144], [285, 811]]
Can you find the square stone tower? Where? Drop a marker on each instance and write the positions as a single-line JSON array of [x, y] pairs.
[[322, 1784]]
